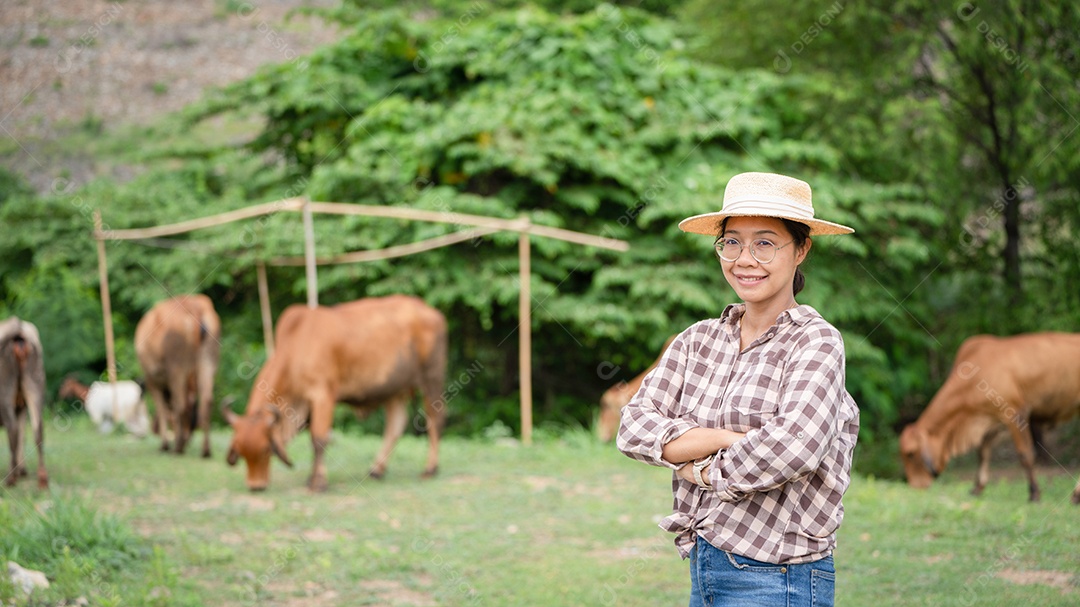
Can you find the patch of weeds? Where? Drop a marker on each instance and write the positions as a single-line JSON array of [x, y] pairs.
[[226, 8], [199, 552], [74, 576], [92, 124], [85, 554], [70, 525], [578, 437], [160, 580], [7, 589], [39, 41], [497, 430]]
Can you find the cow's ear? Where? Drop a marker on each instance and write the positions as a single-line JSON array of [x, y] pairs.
[[227, 412], [279, 451], [232, 456], [231, 417], [928, 461]]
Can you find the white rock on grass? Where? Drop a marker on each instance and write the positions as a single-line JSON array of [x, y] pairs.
[[26, 579]]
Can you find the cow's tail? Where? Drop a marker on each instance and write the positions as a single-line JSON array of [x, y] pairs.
[[209, 329], [20, 349]]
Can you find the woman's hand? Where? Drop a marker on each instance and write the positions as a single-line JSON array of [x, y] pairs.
[[687, 473]]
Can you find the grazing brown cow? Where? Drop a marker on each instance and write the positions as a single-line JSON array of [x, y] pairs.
[[617, 397], [997, 384], [365, 353], [178, 343], [22, 393]]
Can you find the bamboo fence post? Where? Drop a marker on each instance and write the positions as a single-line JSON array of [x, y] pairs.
[[106, 312], [525, 332], [264, 308], [309, 257], [106, 302]]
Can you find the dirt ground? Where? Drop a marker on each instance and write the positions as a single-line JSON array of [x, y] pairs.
[[96, 64]]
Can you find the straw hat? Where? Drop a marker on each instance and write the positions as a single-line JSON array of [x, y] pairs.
[[764, 195]]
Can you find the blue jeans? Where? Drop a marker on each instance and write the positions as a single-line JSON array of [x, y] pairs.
[[721, 579]]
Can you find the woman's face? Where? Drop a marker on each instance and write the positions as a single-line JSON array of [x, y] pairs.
[[755, 282]]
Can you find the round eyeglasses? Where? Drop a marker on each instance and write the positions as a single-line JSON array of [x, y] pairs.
[[762, 250]]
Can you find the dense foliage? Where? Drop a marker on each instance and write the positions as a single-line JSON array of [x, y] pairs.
[[972, 101], [600, 122]]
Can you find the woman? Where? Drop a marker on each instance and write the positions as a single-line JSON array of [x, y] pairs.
[[751, 413]]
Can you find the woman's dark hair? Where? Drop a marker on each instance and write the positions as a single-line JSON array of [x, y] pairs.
[[800, 233]]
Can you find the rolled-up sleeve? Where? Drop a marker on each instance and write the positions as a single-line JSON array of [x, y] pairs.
[[652, 419], [792, 443]]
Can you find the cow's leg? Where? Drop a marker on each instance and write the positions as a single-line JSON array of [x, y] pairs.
[[1025, 446], [397, 417], [161, 413], [983, 475], [322, 417], [13, 441], [39, 440], [431, 389], [20, 443], [205, 382], [7, 418], [34, 396], [179, 408], [435, 411]]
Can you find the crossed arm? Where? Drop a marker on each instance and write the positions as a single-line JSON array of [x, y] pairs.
[[695, 444], [788, 446]]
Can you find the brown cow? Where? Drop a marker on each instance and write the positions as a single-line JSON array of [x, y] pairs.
[[22, 392], [997, 384], [178, 343], [365, 353], [616, 397]]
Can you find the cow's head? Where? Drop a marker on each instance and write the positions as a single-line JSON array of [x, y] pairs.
[[69, 388], [254, 439], [917, 456]]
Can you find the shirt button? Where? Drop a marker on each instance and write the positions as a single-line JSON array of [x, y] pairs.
[[799, 435]]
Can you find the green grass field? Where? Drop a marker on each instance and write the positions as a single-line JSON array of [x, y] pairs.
[[565, 522]]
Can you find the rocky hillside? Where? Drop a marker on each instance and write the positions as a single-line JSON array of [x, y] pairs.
[[94, 64]]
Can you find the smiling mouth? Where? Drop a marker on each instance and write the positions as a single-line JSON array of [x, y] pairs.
[[750, 278]]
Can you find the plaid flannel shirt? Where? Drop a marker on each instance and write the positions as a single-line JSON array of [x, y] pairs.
[[775, 494]]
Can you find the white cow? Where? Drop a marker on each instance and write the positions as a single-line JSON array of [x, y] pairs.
[[128, 406]]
